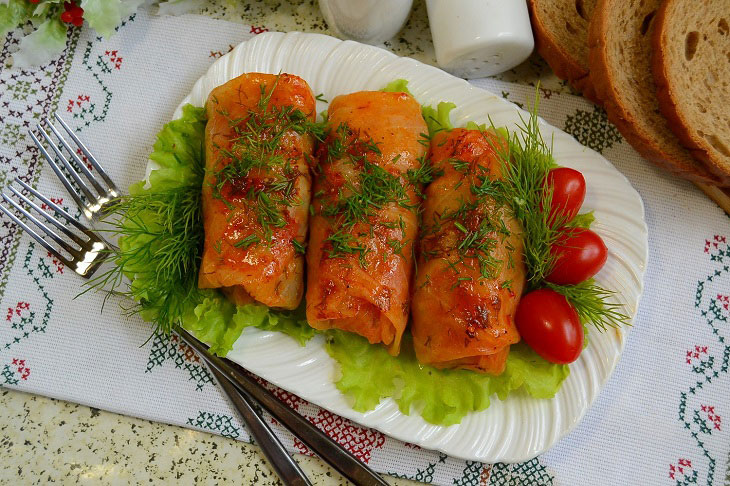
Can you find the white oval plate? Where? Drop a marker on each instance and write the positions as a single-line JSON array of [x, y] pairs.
[[520, 427]]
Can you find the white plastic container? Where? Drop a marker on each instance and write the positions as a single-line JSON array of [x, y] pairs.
[[478, 38], [368, 21]]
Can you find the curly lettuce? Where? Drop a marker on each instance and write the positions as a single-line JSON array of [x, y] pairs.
[[442, 397]]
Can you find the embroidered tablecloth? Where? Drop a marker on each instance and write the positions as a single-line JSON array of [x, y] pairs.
[[658, 421]]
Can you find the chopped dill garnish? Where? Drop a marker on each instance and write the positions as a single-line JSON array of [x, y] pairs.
[[247, 241], [256, 169], [299, 247], [358, 199]]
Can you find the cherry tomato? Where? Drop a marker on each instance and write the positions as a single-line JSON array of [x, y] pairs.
[[550, 325], [569, 190], [580, 254]]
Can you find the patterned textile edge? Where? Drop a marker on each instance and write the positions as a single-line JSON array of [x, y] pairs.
[[58, 71]]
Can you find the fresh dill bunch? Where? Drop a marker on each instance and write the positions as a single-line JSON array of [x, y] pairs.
[[526, 160], [160, 240], [592, 304]]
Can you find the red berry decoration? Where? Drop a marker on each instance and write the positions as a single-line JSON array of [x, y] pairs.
[[73, 14]]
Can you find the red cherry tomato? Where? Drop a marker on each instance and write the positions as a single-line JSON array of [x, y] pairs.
[[550, 325], [580, 254], [569, 190]]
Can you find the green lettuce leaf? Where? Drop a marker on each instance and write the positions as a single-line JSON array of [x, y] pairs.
[[584, 220], [13, 14], [443, 397], [41, 46], [397, 86], [103, 15], [438, 119]]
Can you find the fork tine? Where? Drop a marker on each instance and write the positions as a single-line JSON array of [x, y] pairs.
[[49, 218], [91, 158], [72, 172], [99, 188], [74, 252], [69, 188], [54, 206], [48, 231]]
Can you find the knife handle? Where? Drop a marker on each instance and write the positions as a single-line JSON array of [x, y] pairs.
[[281, 462], [326, 448]]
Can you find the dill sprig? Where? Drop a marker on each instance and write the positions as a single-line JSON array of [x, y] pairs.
[[526, 161], [593, 305], [161, 235]]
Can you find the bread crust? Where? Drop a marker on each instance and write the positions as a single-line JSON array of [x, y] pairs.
[[721, 195], [607, 91], [667, 104], [558, 58]]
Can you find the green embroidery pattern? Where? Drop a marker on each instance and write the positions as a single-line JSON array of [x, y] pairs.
[[592, 129], [170, 348], [708, 363], [530, 473], [100, 65], [213, 422], [424, 475]]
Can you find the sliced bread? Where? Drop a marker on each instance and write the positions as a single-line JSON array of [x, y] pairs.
[[561, 38], [692, 72], [620, 43]]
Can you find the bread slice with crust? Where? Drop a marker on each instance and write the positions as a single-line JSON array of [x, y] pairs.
[[691, 67], [561, 38], [620, 48]]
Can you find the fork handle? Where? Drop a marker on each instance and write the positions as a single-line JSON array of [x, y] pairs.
[[281, 462], [326, 448]]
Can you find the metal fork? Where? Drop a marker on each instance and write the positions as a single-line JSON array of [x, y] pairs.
[[98, 193], [231, 381], [85, 251]]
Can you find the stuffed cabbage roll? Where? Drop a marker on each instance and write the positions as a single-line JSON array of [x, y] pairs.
[[470, 270], [364, 223], [257, 188]]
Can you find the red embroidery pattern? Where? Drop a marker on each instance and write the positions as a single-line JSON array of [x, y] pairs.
[[359, 441], [84, 159], [18, 311], [56, 262], [23, 370], [716, 240], [683, 463], [258, 30], [77, 103], [712, 416], [57, 200], [185, 351], [696, 353], [217, 54], [114, 58]]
